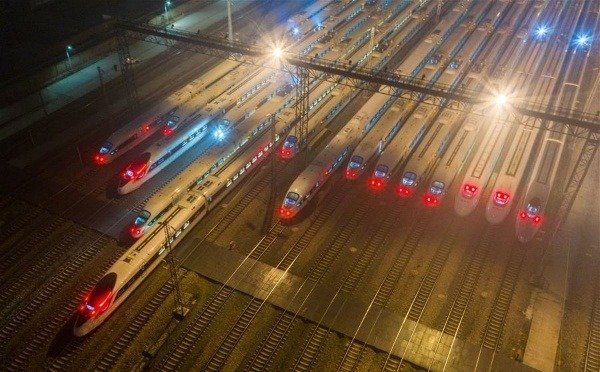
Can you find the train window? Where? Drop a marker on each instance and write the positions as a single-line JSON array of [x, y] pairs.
[[216, 194], [381, 170], [160, 214], [198, 212], [436, 188], [142, 217], [534, 206], [409, 178], [356, 161], [291, 198], [105, 148]]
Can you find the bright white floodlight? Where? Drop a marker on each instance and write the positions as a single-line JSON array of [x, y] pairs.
[[501, 99], [277, 53]]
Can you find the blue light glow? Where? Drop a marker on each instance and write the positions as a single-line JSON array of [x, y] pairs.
[[583, 40], [295, 31], [219, 134], [541, 31]]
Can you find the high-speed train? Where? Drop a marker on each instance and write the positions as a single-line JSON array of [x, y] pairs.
[[169, 112], [161, 203], [340, 97], [530, 218], [451, 162], [160, 154], [481, 169], [310, 181], [373, 142], [202, 194], [145, 255], [385, 131], [513, 168], [431, 147], [481, 166]]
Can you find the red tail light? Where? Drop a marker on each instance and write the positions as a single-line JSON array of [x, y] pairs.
[[285, 153], [285, 212], [430, 200], [167, 131], [351, 174], [537, 219], [100, 159], [470, 188], [404, 192], [376, 183], [146, 127], [523, 215], [134, 171], [135, 231]]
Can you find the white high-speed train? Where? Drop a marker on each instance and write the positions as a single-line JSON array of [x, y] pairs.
[[162, 202], [160, 154], [430, 147], [312, 179], [375, 141], [531, 217], [169, 112], [145, 255], [409, 135]]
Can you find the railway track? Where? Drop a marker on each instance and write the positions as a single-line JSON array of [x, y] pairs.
[[18, 222], [355, 349], [494, 327], [186, 342], [118, 346], [325, 261], [27, 279], [23, 354], [376, 242], [9, 259], [591, 357], [468, 283]]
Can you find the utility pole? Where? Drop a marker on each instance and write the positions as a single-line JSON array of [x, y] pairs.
[[371, 42], [229, 24], [101, 73], [180, 310], [271, 203]]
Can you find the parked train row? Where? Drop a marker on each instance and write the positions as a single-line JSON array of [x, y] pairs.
[[411, 146], [186, 199]]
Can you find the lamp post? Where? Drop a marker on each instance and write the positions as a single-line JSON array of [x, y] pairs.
[[69, 50], [229, 22], [167, 8]]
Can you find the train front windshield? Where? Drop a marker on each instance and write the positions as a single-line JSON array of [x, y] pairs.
[[291, 198], [356, 161], [381, 171], [105, 148], [290, 141], [409, 178], [142, 218], [437, 188], [534, 207]]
